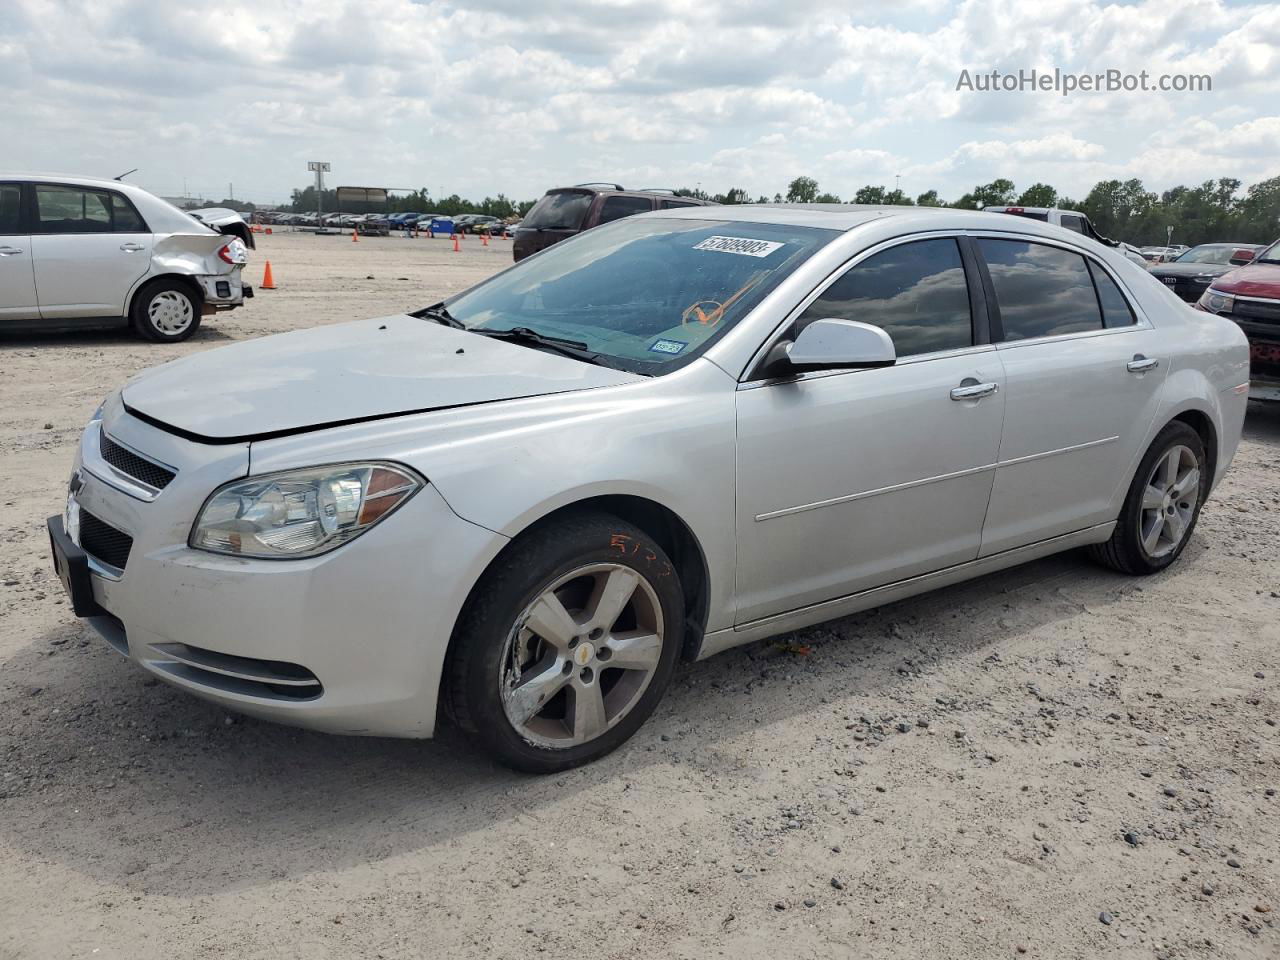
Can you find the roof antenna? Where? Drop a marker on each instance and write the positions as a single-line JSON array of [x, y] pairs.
[[125, 174]]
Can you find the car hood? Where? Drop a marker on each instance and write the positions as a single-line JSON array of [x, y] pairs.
[[347, 373], [1190, 269], [1254, 280]]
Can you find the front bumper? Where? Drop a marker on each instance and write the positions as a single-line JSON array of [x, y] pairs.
[[350, 642]]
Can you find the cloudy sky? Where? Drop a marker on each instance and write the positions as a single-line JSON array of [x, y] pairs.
[[514, 96]]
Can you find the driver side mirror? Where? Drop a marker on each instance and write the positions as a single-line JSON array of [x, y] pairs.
[[831, 344], [1239, 257]]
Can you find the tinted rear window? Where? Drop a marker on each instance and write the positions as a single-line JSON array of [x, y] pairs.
[[559, 211], [1042, 291], [1116, 311], [615, 208]]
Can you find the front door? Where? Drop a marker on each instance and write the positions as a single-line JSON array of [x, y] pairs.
[[17, 280], [1083, 378], [852, 479], [89, 247]]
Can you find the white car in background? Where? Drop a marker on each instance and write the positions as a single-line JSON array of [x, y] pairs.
[[91, 253]]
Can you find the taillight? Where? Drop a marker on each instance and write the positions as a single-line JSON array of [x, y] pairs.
[[233, 252]]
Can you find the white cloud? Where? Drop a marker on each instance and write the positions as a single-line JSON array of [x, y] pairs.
[[504, 95]]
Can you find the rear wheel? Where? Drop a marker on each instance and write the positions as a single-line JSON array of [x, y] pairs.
[[1162, 505], [166, 311], [567, 645]]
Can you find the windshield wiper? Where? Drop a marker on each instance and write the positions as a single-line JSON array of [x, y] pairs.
[[440, 314], [569, 348]]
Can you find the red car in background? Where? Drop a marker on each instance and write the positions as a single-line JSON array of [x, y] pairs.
[[1250, 296]]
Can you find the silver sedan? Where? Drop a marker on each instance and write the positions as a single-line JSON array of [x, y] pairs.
[[523, 507]]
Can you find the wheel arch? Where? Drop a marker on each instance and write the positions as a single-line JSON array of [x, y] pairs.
[[1202, 424], [657, 520], [147, 282]]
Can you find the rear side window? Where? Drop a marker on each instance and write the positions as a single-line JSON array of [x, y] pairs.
[[915, 292], [668, 204], [78, 210], [1042, 291], [125, 218], [1073, 223], [559, 211], [1116, 311], [10, 208], [615, 208]]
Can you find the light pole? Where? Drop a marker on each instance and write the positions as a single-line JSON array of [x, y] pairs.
[[321, 167]]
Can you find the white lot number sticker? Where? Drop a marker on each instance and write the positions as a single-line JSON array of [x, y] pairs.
[[740, 245]]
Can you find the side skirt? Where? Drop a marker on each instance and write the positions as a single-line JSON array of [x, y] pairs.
[[721, 640]]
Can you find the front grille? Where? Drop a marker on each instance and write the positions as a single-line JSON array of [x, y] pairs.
[[103, 541], [1267, 311], [129, 463], [1186, 288]]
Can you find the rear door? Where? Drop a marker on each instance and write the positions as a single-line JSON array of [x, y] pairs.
[[17, 279], [1082, 377], [89, 247]]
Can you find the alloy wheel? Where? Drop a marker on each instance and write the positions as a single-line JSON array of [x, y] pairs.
[[581, 655], [1169, 501]]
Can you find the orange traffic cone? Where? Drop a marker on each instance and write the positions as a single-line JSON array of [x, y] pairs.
[[455, 243], [268, 281], [268, 231], [485, 242], [355, 235]]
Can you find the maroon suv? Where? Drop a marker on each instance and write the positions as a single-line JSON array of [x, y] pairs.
[[1250, 296], [564, 211]]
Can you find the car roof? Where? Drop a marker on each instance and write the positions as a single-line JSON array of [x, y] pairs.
[[161, 216], [847, 216]]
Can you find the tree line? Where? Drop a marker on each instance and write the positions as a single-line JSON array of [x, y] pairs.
[[1215, 210]]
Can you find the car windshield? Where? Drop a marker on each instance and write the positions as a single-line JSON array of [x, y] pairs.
[[559, 211], [1270, 255], [650, 294], [1208, 253]]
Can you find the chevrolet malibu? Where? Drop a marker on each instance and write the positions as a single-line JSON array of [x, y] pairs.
[[522, 508]]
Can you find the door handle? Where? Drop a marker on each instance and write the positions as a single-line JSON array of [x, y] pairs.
[[1141, 364], [132, 247], [10, 251], [972, 390]]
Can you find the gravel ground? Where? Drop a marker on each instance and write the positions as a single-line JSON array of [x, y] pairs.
[[1054, 761]]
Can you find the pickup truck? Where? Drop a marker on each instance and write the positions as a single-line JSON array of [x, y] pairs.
[[1075, 221]]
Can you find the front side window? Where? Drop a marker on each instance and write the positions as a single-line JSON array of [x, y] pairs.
[[916, 292], [668, 204], [1042, 291], [648, 294], [615, 208], [10, 208]]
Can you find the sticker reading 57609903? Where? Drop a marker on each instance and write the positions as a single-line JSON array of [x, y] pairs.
[[744, 246]]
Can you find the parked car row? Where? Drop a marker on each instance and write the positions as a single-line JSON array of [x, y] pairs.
[[403, 220]]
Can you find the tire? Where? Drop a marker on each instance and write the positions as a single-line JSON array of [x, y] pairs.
[[166, 311], [1144, 539], [537, 690]]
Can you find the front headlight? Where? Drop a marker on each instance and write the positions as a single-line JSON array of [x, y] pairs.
[[301, 513], [1216, 302]]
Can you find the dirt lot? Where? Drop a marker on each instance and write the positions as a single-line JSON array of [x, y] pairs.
[[1054, 760]]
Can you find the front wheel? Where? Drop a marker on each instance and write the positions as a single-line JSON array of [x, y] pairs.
[[567, 645], [166, 311], [1162, 505]]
